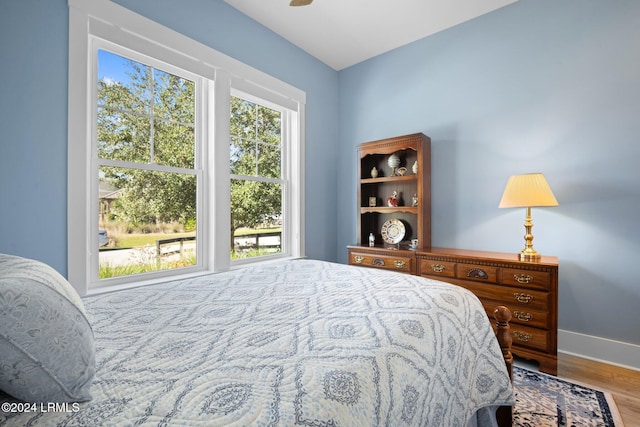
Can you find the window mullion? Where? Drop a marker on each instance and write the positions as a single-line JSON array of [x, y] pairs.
[[146, 166], [152, 158]]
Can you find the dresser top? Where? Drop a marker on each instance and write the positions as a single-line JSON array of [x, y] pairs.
[[501, 256]]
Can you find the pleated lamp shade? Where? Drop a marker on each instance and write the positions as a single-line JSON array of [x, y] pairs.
[[527, 190]]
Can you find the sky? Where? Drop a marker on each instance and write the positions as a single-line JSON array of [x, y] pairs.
[[112, 67]]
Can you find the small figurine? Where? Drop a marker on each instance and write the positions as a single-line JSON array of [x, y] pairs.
[[393, 200], [414, 200]]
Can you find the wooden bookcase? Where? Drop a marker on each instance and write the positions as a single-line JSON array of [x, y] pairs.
[[414, 149]]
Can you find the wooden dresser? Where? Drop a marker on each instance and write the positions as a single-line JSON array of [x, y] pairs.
[[528, 288]]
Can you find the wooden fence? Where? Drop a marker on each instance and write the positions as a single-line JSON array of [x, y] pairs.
[[255, 244]]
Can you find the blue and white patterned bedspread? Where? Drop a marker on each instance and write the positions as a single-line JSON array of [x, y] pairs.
[[290, 343]]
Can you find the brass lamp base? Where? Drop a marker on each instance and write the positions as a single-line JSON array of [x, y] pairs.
[[529, 254]]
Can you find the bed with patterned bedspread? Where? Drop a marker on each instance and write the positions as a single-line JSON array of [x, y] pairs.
[[288, 343]]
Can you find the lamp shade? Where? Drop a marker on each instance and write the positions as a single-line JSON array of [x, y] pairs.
[[527, 190]]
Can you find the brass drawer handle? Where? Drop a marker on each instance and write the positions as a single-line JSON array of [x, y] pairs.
[[377, 261], [523, 298], [358, 259], [438, 268], [400, 264], [523, 278], [525, 317], [522, 336]]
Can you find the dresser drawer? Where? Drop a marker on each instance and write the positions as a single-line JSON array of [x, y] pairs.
[[523, 316], [526, 278], [481, 273], [529, 337], [513, 298], [430, 267], [395, 263]]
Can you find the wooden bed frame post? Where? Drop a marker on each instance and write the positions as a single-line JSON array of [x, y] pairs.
[[502, 315]]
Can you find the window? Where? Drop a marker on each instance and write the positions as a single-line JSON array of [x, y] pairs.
[[146, 156], [257, 184], [153, 154]]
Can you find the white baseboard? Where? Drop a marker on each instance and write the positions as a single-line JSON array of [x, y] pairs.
[[599, 349]]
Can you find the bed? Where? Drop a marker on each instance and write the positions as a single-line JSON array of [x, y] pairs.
[[295, 342]]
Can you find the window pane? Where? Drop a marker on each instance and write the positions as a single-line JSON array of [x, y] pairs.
[[143, 211], [268, 125], [255, 140], [123, 84], [174, 144], [242, 118], [256, 218], [243, 157], [174, 97], [126, 90], [123, 136], [269, 160]]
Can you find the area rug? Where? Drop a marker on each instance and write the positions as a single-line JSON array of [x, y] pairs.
[[543, 400]]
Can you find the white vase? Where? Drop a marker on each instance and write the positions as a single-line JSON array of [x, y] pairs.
[[374, 172], [393, 162], [414, 168]]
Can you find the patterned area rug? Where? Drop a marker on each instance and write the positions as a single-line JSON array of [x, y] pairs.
[[544, 400]]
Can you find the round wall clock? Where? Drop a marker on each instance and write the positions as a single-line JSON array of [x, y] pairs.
[[393, 231]]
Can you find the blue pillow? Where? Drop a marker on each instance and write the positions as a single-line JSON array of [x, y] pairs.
[[47, 352]]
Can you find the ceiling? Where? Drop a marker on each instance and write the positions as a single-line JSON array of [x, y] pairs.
[[342, 33]]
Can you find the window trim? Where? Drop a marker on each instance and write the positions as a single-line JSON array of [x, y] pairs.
[[113, 23]]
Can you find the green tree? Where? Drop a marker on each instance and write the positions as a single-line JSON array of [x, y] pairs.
[[149, 120]]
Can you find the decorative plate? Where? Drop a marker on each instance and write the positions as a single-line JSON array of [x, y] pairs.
[[393, 231]]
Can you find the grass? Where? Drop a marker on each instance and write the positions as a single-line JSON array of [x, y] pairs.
[[138, 240], [145, 262]]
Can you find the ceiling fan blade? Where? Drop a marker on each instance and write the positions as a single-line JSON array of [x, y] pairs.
[[300, 2]]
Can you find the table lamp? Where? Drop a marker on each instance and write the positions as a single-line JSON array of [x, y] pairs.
[[526, 191]]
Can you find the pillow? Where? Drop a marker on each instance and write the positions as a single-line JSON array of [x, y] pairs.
[[47, 352]]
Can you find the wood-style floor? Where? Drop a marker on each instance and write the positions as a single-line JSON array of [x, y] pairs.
[[623, 383]]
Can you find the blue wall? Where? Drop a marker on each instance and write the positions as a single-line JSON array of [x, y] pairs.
[[538, 86], [33, 130], [33, 114]]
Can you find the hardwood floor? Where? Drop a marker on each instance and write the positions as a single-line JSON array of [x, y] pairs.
[[623, 383]]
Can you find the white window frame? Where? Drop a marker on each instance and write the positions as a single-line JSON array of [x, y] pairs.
[[218, 74], [201, 85], [284, 180]]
